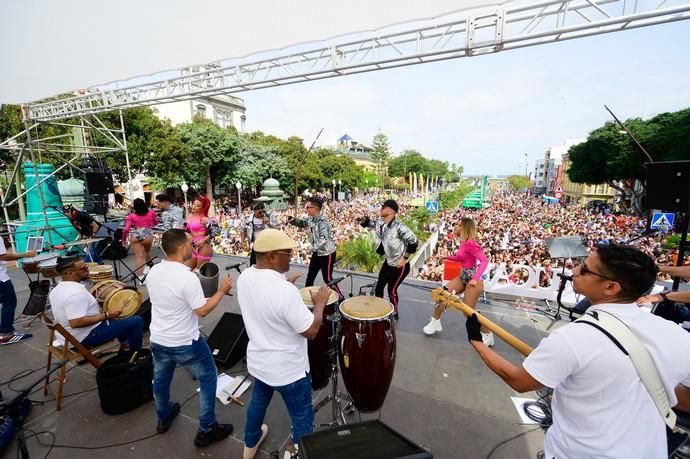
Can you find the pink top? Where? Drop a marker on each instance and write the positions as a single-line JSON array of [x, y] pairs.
[[139, 221], [468, 254]]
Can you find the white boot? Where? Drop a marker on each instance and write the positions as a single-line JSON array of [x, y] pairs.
[[433, 326], [488, 338], [249, 453]]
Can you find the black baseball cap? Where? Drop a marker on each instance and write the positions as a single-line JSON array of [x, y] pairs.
[[391, 204]]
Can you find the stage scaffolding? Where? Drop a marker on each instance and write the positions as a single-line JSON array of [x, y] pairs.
[[29, 145], [463, 33]]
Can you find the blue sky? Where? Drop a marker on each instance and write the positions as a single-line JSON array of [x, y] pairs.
[[486, 112]]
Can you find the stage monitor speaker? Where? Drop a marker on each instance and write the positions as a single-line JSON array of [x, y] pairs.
[[668, 186], [363, 440], [99, 182], [228, 341]]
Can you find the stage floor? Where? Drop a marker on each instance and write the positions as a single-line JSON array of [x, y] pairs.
[[442, 396]]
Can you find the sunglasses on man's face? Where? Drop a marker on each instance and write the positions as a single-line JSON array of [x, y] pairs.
[[584, 270]]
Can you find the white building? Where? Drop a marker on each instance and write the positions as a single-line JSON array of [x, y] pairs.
[[545, 169], [223, 110]]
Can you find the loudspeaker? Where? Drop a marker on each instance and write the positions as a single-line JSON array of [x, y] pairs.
[[99, 182], [363, 440], [145, 313], [228, 341], [668, 186]]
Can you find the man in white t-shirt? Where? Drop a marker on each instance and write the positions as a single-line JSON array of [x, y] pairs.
[[177, 302], [79, 313], [600, 406], [8, 297], [278, 324]]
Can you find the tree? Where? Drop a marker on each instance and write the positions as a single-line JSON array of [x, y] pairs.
[[360, 253], [255, 164], [519, 182], [380, 153], [407, 161], [613, 158], [210, 147]]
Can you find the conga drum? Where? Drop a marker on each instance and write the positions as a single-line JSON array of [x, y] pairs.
[[113, 295], [367, 350], [319, 348]]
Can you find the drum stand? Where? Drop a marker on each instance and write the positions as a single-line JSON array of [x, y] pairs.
[[341, 404]]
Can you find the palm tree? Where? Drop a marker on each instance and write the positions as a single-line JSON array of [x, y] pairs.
[[360, 253]]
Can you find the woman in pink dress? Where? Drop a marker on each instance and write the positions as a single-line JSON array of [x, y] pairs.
[[197, 225], [474, 262], [138, 232]]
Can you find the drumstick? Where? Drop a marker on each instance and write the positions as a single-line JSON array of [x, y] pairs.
[[445, 297]]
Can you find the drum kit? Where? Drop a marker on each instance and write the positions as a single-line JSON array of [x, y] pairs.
[[357, 336]]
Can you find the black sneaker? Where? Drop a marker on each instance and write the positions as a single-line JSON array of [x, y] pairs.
[[217, 433], [163, 426]]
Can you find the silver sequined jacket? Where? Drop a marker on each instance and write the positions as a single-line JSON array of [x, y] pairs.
[[320, 233], [395, 238]]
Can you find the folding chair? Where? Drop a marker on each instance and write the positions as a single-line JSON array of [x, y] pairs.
[[72, 350]]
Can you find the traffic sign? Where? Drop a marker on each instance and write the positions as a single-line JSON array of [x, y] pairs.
[[662, 221], [432, 206]]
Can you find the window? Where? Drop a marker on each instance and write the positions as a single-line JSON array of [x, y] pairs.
[[201, 110], [243, 124]]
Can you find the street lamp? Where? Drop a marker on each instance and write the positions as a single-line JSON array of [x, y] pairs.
[[340, 186], [238, 185], [185, 188], [333, 182]]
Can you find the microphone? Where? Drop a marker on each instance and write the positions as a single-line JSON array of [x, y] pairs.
[[565, 276], [235, 266], [337, 280]]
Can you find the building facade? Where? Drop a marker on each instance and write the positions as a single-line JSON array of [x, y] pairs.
[[581, 193], [224, 110]]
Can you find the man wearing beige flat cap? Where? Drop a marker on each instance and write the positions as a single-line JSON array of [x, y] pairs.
[[278, 324]]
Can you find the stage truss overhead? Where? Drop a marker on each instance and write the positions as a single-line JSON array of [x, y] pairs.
[[483, 30]]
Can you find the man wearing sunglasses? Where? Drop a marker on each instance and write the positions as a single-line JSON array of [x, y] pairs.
[[322, 244], [253, 225], [600, 406], [79, 313], [278, 324]]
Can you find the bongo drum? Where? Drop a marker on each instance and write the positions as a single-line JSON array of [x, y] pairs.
[[319, 348], [98, 273], [367, 350], [48, 268], [113, 295]]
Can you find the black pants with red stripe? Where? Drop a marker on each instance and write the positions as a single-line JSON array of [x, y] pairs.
[[325, 265], [393, 277]]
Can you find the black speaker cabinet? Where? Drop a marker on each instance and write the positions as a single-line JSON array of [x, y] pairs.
[[99, 182], [362, 440], [668, 186], [228, 341]]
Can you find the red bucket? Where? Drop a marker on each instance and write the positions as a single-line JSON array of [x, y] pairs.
[[451, 269]]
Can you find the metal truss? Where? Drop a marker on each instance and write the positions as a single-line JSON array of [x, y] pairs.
[[29, 146], [461, 34]]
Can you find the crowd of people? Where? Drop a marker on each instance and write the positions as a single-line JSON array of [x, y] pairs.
[[514, 228]]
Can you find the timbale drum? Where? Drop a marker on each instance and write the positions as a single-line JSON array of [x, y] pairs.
[[367, 350], [320, 347]]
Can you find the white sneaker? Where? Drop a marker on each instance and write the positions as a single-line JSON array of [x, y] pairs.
[[433, 326], [488, 338], [249, 453]]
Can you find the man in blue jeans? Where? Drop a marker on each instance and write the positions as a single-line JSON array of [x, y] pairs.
[[177, 302], [8, 297], [76, 309], [278, 325]]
